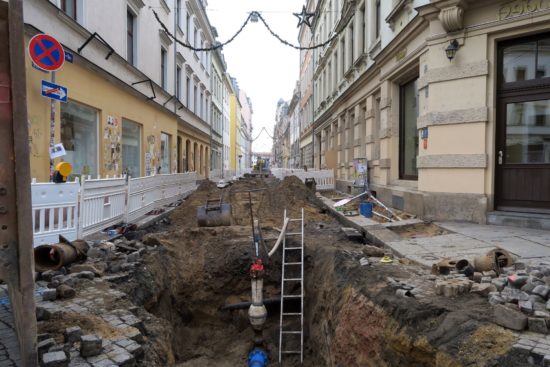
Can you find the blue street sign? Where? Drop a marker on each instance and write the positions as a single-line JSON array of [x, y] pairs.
[[69, 56], [54, 91]]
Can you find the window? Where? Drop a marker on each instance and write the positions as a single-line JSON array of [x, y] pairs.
[[363, 44], [79, 129], [195, 37], [130, 37], [526, 61], [188, 96], [195, 99], [164, 153], [131, 148], [378, 22], [201, 114], [178, 13], [408, 132], [188, 23], [163, 68], [70, 8], [178, 82]]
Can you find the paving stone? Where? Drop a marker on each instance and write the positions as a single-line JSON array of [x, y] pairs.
[[65, 291], [133, 257], [526, 307], [122, 358], [477, 277], [546, 361], [97, 358], [490, 273], [537, 356], [542, 291], [44, 346], [527, 342], [90, 345], [136, 350], [72, 334], [482, 288], [55, 359], [522, 347], [104, 363], [49, 294], [486, 280], [496, 299], [537, 325], [528, 287], [499, 283], [509, 318], [134, 334]]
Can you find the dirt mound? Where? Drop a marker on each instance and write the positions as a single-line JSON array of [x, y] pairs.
[[269, 201]]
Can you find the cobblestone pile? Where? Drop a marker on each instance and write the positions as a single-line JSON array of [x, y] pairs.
[[83, 294]]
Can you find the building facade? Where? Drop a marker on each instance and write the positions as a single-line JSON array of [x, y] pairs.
[[447, 100], [138, 102], [227, 92], [305, 38], [294, 122], [246, 128], [218, 95]]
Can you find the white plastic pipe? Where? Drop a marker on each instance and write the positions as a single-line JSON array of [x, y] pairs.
[[280, 239]]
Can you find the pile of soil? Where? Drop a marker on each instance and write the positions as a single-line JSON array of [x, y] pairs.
[[268, 203]]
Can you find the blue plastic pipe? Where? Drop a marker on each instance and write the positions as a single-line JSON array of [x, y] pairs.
[[257, 358]]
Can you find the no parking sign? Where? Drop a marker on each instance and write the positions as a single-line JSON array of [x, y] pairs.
[[46, 52]]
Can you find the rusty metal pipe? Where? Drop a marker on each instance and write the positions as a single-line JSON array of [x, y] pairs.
[[53, 257]]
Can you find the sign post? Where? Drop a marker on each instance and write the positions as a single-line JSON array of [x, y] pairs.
[[48, 54]]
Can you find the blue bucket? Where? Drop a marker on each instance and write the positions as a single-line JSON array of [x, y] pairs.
[[365, 209]]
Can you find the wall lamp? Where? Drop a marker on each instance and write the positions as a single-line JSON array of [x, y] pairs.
[[451, 49]]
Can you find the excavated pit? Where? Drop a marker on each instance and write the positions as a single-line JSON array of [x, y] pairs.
[[353, 317]]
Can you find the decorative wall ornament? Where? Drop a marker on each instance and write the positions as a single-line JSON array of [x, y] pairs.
[[452, 18]]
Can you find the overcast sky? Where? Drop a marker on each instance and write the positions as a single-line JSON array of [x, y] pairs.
[[265, 68]]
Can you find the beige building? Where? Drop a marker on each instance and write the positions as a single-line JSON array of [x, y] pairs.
[[449, 101]]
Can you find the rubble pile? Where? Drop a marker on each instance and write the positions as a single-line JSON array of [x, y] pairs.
[[520, 294], [82, 319]]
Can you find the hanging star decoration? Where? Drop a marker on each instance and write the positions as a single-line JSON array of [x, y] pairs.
[[304, 17]]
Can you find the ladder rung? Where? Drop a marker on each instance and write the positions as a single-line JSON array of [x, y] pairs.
[[295, 220], [293, 248], [292, 279], [291, 352], [291, 332], [293, 233], [298, 263], [292, 296], [292, 313]]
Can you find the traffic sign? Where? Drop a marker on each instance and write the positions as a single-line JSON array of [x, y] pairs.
[[69, 56], [54, 91], [46, 52]]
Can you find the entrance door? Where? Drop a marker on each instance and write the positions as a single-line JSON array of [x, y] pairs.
[[523, 126]]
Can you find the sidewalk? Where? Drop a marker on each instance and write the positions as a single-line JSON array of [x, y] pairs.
[[464, 240]]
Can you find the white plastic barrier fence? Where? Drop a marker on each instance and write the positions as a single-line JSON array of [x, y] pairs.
[[54, 211], [76, 210], [323, 178], [147, 193], [102, 204]]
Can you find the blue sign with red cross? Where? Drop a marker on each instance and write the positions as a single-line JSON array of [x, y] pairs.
[[46, 52]]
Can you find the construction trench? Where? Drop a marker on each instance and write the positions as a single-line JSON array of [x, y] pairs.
[[190, 292]]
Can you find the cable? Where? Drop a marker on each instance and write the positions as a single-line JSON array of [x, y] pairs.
[[252, 14]]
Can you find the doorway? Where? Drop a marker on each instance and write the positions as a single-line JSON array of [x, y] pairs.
[[523, 125]]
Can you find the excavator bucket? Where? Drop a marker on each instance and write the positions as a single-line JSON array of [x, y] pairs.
[[214, 214]]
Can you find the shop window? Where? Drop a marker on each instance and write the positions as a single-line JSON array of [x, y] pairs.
[[79, 127], [131, 148], [164, 153]]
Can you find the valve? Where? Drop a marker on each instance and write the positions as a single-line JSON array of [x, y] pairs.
[[257, 269]]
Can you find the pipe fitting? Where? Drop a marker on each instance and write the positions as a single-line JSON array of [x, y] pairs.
[[257, 358]]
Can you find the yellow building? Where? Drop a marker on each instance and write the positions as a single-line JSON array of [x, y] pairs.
[[234, 126], [136, 104]]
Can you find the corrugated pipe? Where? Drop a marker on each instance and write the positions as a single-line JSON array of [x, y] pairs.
[[53, 257]]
